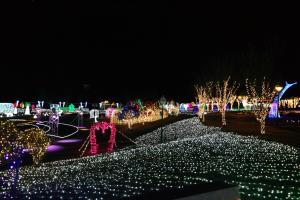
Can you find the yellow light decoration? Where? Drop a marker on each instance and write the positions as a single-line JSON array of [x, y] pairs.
[[35, 140], [278, 88], [8, 134]]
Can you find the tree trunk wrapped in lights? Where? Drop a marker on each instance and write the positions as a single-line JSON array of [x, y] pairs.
[[261, 98], [224, 93], [232, 100]]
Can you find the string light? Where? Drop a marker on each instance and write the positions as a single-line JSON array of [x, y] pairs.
[[193, 154], [35, 140]]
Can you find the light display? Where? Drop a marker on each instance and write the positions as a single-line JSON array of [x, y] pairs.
[[261, 99], [94, 114], [54, 122], [11, 149], [35, 140], [261, 169], [39, 104], [273, 113], [93, 140], [27, 109], [128, 117], [16, 107], [108, 112], [71, 108], [79, 119], [38, 115], [54, 106], [22, 105], [7, 108]]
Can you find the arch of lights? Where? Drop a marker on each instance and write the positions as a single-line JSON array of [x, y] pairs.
[[103, 126], [273, 113]]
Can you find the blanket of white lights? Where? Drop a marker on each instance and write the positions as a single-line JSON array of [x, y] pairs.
[[262, 169]]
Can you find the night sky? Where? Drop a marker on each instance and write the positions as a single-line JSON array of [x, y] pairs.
[[76, 52]]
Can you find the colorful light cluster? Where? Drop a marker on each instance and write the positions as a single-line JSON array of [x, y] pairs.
[[93, 140], [7, 108], [262, 169]]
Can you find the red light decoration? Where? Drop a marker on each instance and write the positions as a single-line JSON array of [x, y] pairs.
[[103, 126]]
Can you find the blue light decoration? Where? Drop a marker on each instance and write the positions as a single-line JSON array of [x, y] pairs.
[[129, 107], [182, 108], [195, 109], [215, 108], [273, 113]]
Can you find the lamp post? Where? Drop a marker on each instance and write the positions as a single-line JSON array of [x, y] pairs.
[[162, 102], [278, 88]]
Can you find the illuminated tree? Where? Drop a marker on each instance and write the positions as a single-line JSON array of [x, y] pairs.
[[204, 95], [225, 92], [261, 98], [35, 140]]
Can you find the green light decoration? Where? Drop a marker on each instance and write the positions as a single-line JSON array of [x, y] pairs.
[[71, 108]]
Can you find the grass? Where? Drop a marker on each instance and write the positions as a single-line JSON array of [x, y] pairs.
[[244, 123]]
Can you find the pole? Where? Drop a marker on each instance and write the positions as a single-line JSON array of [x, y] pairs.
[[277, 113], [161, 128]]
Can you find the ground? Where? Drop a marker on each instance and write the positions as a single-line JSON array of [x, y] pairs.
[[285, 130]]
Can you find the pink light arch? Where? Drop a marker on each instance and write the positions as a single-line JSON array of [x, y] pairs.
[[103, 126]]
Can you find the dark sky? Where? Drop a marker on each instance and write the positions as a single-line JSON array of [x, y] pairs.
[[70, 51]]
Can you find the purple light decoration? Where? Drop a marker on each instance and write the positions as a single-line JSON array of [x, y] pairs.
[[54, 148], [68, 141], [53, 122]]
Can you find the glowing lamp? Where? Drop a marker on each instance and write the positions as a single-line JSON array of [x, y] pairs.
[[278, 88]]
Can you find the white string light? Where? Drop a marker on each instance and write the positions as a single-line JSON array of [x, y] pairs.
[[262, 169]]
